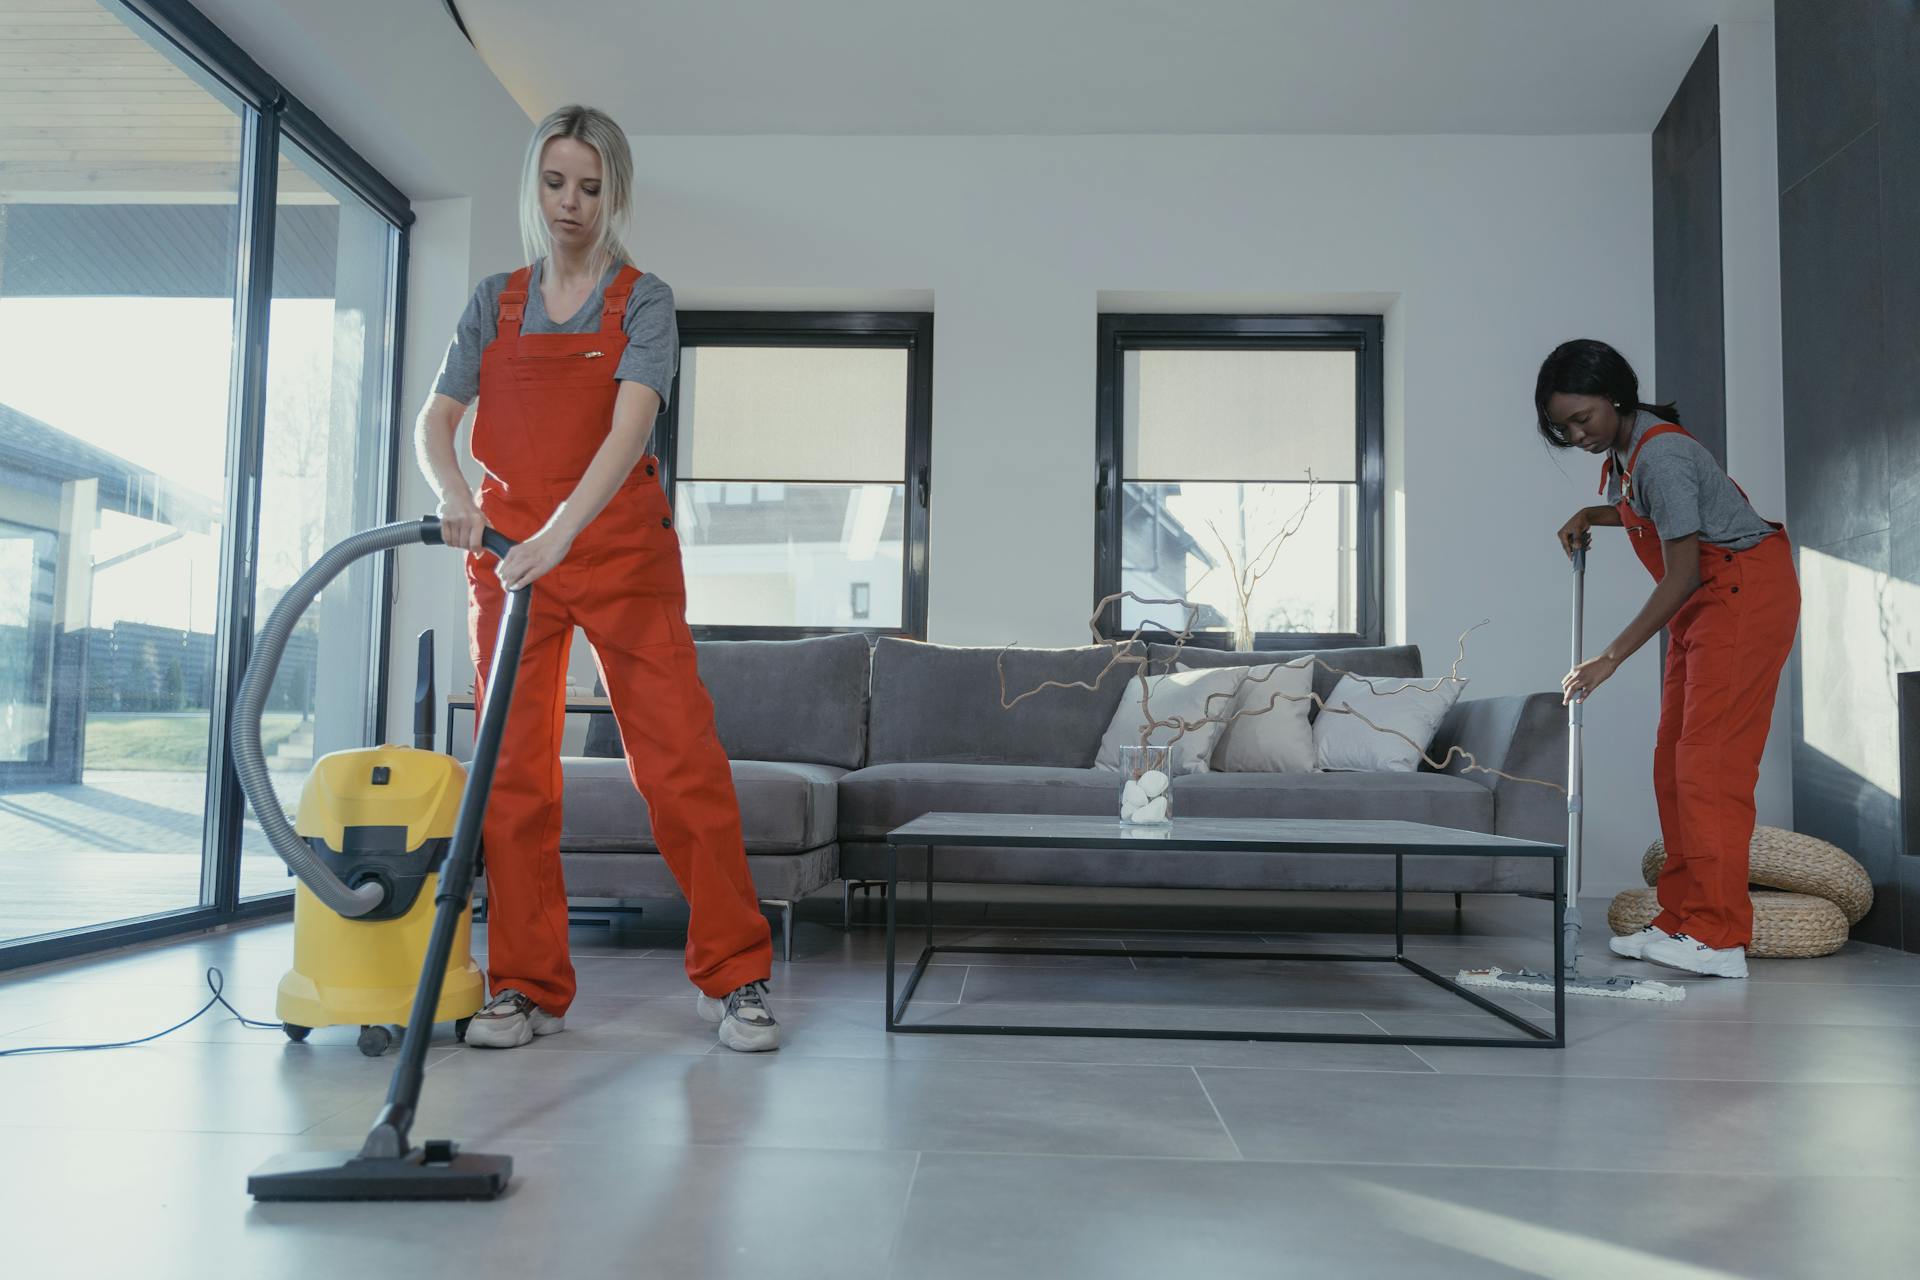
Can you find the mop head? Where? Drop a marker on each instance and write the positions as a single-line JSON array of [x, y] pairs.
[[1542, 984]]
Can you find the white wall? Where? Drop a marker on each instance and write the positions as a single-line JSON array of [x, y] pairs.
[[1750, 259], [1491, 249]]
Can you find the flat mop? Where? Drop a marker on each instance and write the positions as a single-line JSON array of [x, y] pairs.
[[1620, 988]]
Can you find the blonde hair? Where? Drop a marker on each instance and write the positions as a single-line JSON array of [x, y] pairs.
[[598, 130]]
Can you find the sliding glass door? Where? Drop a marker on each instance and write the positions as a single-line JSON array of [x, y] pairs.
[[197, 314], [323, 473], [117, 273]]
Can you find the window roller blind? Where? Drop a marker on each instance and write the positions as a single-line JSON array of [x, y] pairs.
[[1239, 415], [823, 414]]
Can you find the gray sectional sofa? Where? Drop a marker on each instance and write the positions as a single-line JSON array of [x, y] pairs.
[[836, 741]]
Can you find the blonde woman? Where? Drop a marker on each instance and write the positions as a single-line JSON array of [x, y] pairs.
[[572, 358]]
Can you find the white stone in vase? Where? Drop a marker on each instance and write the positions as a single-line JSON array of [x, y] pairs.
[[1133, 795], [1154, 810], [1154, 783]]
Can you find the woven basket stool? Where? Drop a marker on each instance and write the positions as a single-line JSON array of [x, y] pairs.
[[1798, 864], [1786, 926]]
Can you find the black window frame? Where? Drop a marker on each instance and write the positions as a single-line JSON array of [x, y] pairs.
[[268, 113], [1364, 335], [911, 331]]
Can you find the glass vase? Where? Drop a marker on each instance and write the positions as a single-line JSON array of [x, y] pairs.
[[1146, 786]]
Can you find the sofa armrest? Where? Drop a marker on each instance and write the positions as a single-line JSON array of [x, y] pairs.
[[1524, 735]]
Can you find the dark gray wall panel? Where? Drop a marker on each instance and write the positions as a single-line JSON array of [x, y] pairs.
[[1834, 364], [1899, 141], [1824, 56], [1689, 316]]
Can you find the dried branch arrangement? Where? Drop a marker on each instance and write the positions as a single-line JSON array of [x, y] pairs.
[[1246, 581], [1131, 652]]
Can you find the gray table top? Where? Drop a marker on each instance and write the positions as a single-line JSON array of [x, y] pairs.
[[1231, 835]]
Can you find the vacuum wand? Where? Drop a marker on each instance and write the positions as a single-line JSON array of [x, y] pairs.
[[389, 1137]]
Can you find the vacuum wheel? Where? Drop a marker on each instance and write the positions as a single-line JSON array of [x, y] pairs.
[[460, 1026], [296, 1032], [374, 1040]]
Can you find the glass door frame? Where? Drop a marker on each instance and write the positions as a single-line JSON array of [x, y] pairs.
[[270, 113]]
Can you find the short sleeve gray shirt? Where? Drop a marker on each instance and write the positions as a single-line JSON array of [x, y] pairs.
[[653, 336], [1678, 485]]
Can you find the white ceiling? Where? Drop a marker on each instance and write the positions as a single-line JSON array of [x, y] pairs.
[[1102, 66]]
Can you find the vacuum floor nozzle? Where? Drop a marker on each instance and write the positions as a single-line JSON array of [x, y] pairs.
[[435, 1171]]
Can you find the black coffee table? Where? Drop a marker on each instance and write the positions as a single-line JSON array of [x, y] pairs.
[[1252, 838]]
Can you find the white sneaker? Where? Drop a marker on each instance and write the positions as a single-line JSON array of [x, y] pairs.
[[1682, 952], [510, 1020], [746, 1024], [1634, 945]]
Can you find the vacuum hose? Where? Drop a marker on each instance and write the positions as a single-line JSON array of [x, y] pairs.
[[249, 761]]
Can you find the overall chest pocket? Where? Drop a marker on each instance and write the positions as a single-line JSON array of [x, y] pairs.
[[593, 366]]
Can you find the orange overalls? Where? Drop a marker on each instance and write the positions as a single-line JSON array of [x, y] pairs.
[[546, 405], [1725, 651]]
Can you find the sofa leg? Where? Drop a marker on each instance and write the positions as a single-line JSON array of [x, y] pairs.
[[863, 887], [786, 926]]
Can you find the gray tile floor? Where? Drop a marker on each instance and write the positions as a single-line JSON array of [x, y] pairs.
[[1767, 1128]]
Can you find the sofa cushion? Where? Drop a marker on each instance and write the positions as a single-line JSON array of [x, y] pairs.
[[800, 700], [784, 807], [943, 703], [1386, 660], [612, 874], [875, 800], [1435, 798]]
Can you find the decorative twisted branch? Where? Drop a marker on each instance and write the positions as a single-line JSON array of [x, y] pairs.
[[1247, 582], [1130, 652]]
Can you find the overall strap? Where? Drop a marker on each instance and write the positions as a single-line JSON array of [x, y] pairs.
[[1665, 428], [1607, 468], [513, 305], [613, 313]]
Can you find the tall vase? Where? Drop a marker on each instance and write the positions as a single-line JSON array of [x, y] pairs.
[[1243, 634]]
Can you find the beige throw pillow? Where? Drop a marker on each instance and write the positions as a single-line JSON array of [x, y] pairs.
[[1275, 741], [1412, 707], [1181, 694]]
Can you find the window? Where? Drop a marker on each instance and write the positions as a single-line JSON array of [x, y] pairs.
[[324, 467], [197, 294], [796, 453], [1239, 468]]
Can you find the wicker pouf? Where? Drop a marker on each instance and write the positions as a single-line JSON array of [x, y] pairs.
[[1786, 926], [1798, 864]]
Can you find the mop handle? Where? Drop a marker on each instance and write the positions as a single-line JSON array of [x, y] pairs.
[[1576, 714]]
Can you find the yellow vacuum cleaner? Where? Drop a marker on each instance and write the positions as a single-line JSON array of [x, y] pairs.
[[384, 844], [380, 815]]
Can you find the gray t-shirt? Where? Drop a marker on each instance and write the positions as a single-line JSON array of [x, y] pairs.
[[653, 336], [1678, 485]]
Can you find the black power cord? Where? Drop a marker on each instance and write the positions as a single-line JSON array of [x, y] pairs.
[[216, 980]]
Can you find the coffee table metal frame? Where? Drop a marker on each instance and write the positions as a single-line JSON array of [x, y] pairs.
[[925, 833]]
